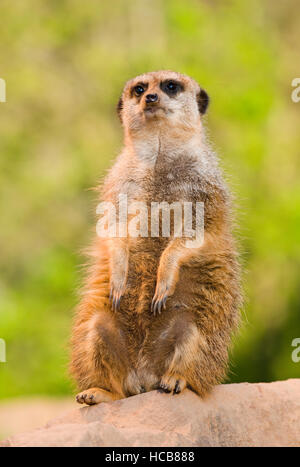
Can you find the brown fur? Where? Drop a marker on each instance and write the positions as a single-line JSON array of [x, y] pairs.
[[123, 350]]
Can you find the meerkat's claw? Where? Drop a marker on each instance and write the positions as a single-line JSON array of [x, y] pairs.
[[85, 398], [177, 388], [159, 301], [165, 387], [115, 298], [172, 383], [94, 396]]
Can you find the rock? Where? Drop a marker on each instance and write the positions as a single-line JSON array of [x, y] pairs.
[[265, 414]]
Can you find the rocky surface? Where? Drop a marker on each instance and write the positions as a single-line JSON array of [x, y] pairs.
[[265, 414]]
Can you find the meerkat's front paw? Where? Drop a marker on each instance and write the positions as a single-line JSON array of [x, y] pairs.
[[117, 290], [172, 383], [165, 286], [160, 297], [164, 289], [115, 295], [118, 275], [94, 396]]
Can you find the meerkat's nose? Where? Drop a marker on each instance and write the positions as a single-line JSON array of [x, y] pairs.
[[151, 98]]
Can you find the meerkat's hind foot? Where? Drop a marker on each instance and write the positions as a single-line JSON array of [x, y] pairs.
[[94, 396], [172, 383]]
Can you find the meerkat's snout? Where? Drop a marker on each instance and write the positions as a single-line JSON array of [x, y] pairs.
[[151, 103], [151, 98]]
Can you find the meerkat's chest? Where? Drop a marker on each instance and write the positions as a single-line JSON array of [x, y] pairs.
[[167, 180], [175, 182]]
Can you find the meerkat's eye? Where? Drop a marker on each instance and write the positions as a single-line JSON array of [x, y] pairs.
[[138, 90], [171, 87]]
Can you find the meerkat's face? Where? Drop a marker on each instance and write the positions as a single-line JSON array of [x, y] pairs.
[[163, 97]]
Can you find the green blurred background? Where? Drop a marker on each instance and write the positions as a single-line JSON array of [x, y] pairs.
[[65, 63]]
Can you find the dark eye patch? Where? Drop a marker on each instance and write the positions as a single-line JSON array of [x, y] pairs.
[[139, 89], [171, 87]]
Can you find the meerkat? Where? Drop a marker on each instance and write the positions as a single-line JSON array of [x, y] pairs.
[[155, 314]]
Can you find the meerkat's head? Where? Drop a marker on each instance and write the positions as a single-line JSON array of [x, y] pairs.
[[162, 99]]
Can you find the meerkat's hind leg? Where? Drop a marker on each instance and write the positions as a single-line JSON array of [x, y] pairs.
[[176, 351], [94, 396]]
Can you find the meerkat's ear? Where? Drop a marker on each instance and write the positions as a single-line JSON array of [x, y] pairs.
[[203, 101], [119, 108]]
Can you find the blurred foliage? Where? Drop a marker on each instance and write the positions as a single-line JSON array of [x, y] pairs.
[[65, 63]]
